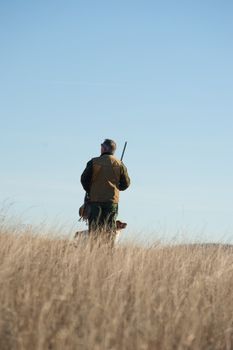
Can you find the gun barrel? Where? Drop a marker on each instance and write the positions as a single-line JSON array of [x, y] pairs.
[[122, 156]]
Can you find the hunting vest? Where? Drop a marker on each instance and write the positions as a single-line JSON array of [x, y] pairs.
[[106, 172]]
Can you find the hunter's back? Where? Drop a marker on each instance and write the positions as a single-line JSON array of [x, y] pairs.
[[105, 181]]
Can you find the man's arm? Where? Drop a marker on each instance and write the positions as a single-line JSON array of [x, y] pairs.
[[87, 176], [124, 178]]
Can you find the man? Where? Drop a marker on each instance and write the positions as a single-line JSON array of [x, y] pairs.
[[102, 180]]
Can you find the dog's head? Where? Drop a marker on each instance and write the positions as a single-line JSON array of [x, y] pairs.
[[120, 225]]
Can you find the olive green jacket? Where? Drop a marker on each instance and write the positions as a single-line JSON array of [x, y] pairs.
[[104, 177]]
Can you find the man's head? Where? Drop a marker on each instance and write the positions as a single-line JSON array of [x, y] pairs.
[[108, 146]]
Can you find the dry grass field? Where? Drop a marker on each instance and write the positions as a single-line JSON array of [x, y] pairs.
[[58, 295]]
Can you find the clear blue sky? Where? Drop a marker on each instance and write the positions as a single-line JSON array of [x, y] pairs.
[[158, 74]]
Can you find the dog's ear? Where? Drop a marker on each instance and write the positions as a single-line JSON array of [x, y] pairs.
[[120, 225]]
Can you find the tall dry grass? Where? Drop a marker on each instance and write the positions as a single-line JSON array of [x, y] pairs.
[[55, 295]]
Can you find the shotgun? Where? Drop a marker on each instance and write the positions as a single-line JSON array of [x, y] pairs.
[[123, 152]]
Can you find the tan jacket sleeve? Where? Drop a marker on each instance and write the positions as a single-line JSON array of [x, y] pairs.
[[124, 178]]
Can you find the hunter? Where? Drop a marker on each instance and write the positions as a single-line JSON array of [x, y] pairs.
[[102, 179]]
